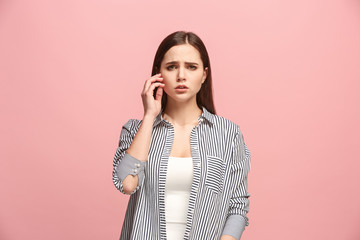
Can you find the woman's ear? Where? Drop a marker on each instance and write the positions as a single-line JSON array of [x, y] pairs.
[[205, 74]]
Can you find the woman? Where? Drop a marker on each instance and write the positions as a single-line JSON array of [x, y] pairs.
[[184, 166]]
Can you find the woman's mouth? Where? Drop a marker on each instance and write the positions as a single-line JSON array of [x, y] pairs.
[[181, 88]]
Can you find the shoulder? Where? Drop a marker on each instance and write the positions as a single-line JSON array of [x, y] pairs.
[[233, 133], [226, 124], [132, 125]]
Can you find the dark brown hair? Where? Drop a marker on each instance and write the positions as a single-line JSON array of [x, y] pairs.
[[204, 97]]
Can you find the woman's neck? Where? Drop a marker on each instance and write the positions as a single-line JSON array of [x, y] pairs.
[[182, 114]]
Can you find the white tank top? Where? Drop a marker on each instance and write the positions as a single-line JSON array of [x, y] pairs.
[[179, 179]]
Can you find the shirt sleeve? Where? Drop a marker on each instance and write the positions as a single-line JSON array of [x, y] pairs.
[[124, 164], [239, 202]]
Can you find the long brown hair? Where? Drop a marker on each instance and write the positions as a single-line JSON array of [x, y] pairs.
[[204, 98]]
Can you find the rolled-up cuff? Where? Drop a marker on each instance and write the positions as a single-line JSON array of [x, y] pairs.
[[130, 165], [234, 226]]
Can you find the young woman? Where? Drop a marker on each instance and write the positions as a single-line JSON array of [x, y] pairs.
[[184, 166]]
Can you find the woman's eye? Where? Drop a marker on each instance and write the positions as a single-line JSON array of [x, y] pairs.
[[170, 67], [193, 67]]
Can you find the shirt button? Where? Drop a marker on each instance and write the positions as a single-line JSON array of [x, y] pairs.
[[198, 165], [201, 119], [135, 170], [196, 189], [195, 148], [137, 164]]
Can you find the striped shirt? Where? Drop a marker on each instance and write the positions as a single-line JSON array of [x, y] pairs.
[[218, 201]]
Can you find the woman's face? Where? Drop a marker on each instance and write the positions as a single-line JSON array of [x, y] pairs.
[[182, 65]]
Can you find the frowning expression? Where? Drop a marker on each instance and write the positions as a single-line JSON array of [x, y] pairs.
[[183, 72]]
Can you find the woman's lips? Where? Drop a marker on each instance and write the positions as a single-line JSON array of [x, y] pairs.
[[181, 90], [181, 86]]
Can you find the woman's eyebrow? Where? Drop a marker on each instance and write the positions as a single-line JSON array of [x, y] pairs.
[[175, 62]]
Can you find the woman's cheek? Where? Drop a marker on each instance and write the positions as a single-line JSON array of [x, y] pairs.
[[166, 82], [167, 85]]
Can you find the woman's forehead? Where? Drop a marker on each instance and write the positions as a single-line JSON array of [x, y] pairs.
[[182, 53]]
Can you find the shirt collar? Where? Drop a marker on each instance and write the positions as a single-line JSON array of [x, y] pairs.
[[206, 115]]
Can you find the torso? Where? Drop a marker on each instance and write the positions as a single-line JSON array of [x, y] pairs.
[[181, 144]]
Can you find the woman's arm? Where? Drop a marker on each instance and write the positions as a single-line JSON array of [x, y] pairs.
[[239, 202], [132, 153], [227, 237], [139, 149]]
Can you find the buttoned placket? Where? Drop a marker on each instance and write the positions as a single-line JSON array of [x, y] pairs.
[[162, 175], [194, 143], [196, 176]]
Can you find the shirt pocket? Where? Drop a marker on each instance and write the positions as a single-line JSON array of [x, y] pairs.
[[214, 173]]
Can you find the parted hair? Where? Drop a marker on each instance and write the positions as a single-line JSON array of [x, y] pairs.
[[204, 98]]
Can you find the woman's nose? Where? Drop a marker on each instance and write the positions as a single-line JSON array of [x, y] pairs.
[[181, 74]]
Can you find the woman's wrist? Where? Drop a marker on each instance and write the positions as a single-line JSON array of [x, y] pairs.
[[148, 117], [227, 237]]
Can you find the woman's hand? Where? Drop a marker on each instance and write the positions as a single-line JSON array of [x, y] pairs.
[[227, 237], [152, 106]]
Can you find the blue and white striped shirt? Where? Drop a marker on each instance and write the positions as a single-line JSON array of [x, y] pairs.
[[218, 201]]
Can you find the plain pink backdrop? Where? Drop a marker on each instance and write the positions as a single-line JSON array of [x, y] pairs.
[[288, 72]]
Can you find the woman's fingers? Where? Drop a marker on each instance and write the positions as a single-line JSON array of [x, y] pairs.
[[151, 80], [151, 104], [148, 96], [153, 86], [159, 93]]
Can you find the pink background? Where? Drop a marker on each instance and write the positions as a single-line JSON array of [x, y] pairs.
[[71, 74]]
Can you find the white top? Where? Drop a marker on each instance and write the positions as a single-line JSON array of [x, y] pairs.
[[179, 178]]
